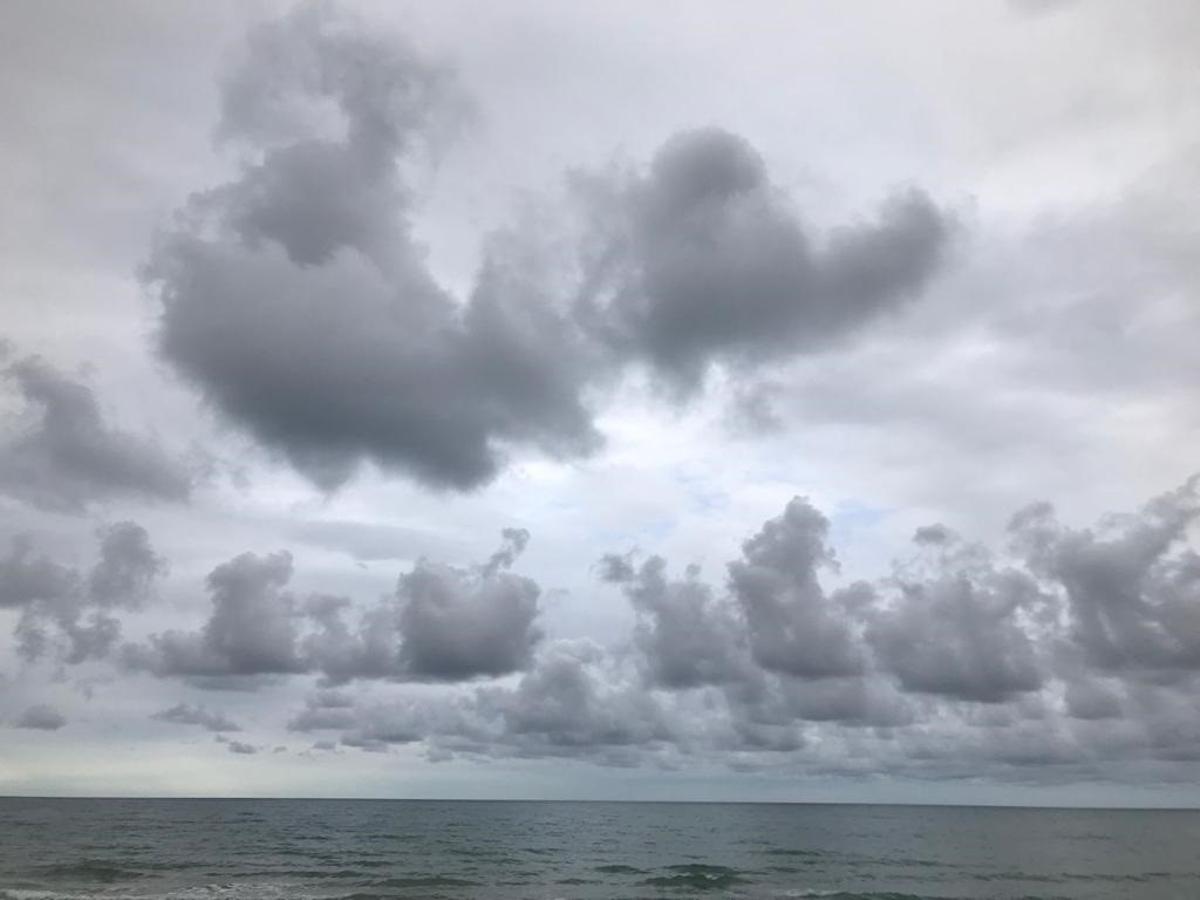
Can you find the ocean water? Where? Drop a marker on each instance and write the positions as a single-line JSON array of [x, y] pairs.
[[216, 849]]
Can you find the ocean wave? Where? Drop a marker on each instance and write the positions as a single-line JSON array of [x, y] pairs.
[[89, 870], [696, 876]]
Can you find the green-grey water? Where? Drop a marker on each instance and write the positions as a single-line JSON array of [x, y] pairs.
[[434, 849]]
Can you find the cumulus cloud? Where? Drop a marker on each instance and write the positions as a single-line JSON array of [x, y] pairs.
[[60, 454], [127, 568], [707, 262], [1070, 649], [239, 747], [962, 661], [958, 626], [252, 630], [187, 714], [457, 626], [41, 718], [302, 308], [296, 299], [1132, 585], [686, 636], [444, 623], [794, 628], [570, 705], [63, 610]]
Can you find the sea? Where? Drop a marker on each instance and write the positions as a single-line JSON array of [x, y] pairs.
[[365, 849]]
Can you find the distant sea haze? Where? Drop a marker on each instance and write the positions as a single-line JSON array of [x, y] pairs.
[[363, 849]]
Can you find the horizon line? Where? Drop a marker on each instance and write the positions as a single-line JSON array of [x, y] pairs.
[[699, 802]]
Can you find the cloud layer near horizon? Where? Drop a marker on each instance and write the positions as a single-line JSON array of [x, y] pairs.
[[1069, 653]]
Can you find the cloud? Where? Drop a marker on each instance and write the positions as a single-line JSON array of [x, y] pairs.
[[325, 711], [957, 626], [963, 661], [707, 262], [1132, 585], [1069, 650], [63, 456], [187, 714], [457, 625], [127, 567], [26, 579], [686, 637], [252, 630], [297, 301], [794, 628], [62, 610], [239, 747], [569, 705], [443, 624], [301, 306], [41, 718]]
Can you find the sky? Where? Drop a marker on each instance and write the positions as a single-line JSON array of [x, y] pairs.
[[733, 401]]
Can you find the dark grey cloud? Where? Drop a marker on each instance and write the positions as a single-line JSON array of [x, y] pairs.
[[953, 626], [1070, 650], [963, 662], [457, 626], [568, 705], [127, 567], [1132, 585], [773, 714], [188, 714], [296, 299], [252, 631], [343, 652], [60, 454], [686, 636], [410, 720], [706, 261], [794, 627], [26, 578], [65, 611], [41, 718], [1092, 699], [444, 623], [238, 747]]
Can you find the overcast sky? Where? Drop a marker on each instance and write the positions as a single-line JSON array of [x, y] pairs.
[[706, 401]]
